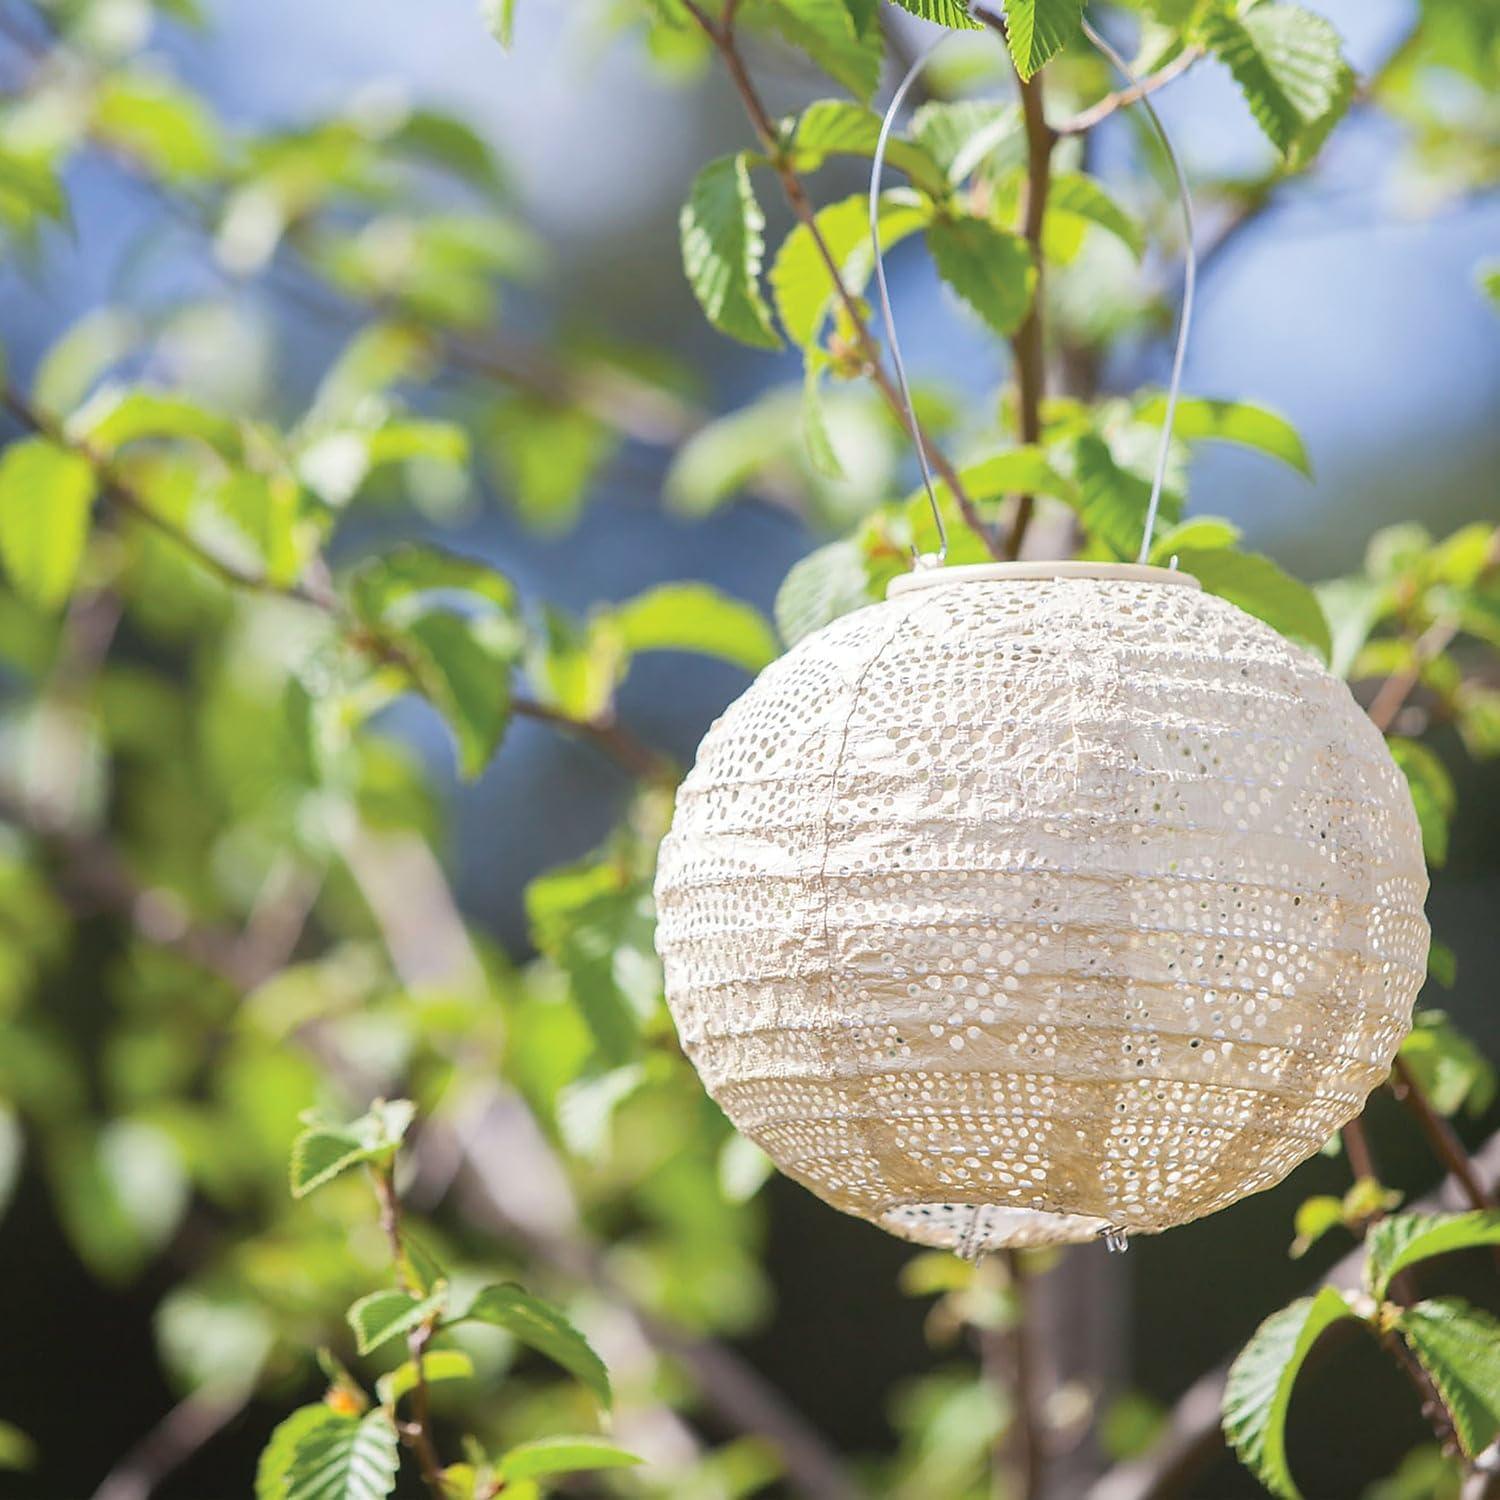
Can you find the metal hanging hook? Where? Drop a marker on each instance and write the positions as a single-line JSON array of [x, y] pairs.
[[1184, 321]]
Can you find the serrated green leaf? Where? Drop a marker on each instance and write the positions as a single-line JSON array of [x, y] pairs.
[[827, 32], [1459, 1347], [960, 134], [324, 1149], [722, 246], [695, 617], [1450, 1070], [46, 496], [540, 1326], [1258, 1391], [350, 1458], [989, 268], [1260, 588], [384, 1315], [459, 655], [561, 1455], [800, 284], [824, 585], [1039, 29], [1432, 793], [273, 1471], [1290, 66], [1199, 420], [1073, 195], [1111, 500], [835, 127], [951, 14], [437, 1364], [1401, 1240]]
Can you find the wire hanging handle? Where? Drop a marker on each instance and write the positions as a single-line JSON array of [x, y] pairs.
[[1184, 319]]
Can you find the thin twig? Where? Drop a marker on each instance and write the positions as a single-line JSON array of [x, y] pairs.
[[417, 1434], [1030, 340], [1096, 114], [190, 1425], [1441, 1136], [1024, 1445], [633, 756]]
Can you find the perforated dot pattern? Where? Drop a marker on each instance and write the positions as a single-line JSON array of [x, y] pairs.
[[1003, 912]]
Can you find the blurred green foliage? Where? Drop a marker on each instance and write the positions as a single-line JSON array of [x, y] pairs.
[[202, 785]]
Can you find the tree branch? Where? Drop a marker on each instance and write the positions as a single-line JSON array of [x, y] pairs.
[[1096, 114], [630, 754], [722, 37]]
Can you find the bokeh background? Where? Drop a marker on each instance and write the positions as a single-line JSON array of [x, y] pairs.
[[1352, 307]]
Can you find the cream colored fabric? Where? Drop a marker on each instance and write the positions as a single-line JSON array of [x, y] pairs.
[[1087, 902]]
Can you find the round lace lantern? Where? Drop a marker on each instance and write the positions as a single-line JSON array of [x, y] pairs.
[[1042, 902]]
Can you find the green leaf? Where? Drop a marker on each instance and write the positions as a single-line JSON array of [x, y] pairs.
[[274, 1471], [1112, 501], [459, 656], [1450, 1070], [542, 1327], [594, 921], [722, 247], [1314, 1218], [1290, 67], [835, 127], [695, 617], [961, 134], [46, 495], [989, 268], [824, 585], [951, 14], [117, 416], [165, 128], [17, 1451], [1258, 1392], [1432, 794], [821, 453], [800, 284], [1201, 534], [1023, 469], [1262, 589], [826, 31], [382, 1316], [323, 1150], [1039, 29], [29, 182], [500, 17], [1401, 1240], [561, 1455], [1199, 420], [349, 1458], [1075, 196], [547, 456], [1459, 1347], [437, 1364]]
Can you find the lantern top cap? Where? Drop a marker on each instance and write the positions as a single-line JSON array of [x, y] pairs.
[[1037, 572]]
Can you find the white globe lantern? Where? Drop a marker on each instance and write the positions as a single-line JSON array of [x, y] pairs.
[[1042, 902]]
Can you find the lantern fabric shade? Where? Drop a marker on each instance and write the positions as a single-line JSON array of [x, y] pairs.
[[1036, 902]]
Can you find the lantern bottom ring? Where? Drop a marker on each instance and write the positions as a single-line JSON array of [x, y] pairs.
[[973, 1229]]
